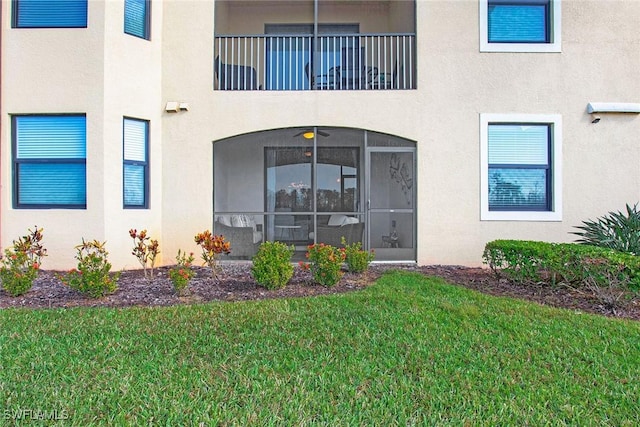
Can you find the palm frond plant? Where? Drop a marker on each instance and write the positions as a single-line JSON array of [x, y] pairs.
[[616, 230]]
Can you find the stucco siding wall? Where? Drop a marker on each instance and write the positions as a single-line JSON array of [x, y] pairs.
[[114, 76], [55, 71], [105, 74]]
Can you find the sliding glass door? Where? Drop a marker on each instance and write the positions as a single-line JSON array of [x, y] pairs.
[[288, 193], [304, 186], [296, 60]]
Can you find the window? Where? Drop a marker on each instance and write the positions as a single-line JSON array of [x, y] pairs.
[[136, 163], [49, 161], [49, 14], [520, 25], [521, 167], [136, 18]]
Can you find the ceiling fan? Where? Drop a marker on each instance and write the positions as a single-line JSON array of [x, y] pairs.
[[308, 134]]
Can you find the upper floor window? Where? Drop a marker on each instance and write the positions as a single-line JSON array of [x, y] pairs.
[[136, 18], [49, 14], [136, 163], [521, 168], [520, 25], [49, 161]]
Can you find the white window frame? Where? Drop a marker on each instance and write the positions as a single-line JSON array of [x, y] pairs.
[[555, 214], [555, 33]]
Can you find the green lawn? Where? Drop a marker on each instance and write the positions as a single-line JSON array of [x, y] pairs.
[[408, 350]]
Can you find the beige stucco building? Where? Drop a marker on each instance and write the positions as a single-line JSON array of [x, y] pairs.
[[434, 126]]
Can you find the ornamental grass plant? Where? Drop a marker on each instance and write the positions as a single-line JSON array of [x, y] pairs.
[[616, 230]]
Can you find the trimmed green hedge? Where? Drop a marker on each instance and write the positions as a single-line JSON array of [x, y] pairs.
[[529, 261]]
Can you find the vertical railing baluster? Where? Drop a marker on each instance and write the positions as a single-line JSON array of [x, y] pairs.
[[288, 61], [410, 65], [216, 66], [309, 44], [226, 61], [297, 71], [272, 74], [276, 63], [364, 40], [376, 43], [387, 67], [338, 52], [405, 69], [244, 51], [261, 52]]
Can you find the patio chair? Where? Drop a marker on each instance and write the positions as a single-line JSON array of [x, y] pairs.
[[323, 81], [235, 77], [245, 237], [353, 72]]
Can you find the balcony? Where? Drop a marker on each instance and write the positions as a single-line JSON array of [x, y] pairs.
[[312, 48]]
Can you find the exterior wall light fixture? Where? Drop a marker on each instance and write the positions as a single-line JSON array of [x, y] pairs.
[[175, 106], [611, 107]]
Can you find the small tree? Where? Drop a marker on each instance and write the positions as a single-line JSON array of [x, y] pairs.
[[182, 273], [212, 246], [145, 249]]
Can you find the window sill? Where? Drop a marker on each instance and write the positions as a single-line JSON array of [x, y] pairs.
[[521, 47], [521, 216]]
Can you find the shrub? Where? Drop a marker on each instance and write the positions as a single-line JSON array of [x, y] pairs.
[[521, 261], [616, 230], [357, 259], [182, 274], [145, 249], [325, 262], [212, 246], [92, 275], [20, 264], [272, 266], [579, 265]]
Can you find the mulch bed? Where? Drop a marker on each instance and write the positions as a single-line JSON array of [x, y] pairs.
[[235, 283]]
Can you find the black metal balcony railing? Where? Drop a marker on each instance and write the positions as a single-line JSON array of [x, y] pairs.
[[332, 62]]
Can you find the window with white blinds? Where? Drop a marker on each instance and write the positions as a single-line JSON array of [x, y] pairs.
[[49, 14], [513, 21], [520, 25], [49, 161], [136, 18], [136, 163], [521, 167]]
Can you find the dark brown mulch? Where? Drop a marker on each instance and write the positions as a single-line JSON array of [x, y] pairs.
[[235, 283]]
